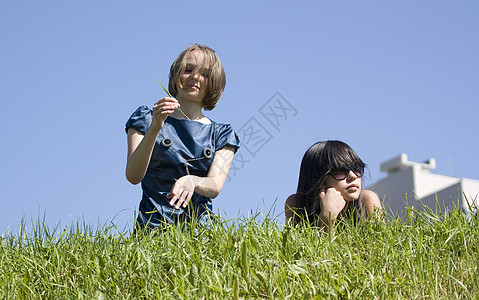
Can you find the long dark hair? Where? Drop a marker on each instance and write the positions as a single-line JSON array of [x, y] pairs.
[[320, 159]]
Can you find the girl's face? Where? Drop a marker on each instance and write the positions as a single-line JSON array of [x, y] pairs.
[[194, 83], [349, 187]]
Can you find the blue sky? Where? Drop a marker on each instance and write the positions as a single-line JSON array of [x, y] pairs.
[[384, 76]]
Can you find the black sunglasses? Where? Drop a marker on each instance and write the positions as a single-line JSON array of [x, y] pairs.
[[343, 172]]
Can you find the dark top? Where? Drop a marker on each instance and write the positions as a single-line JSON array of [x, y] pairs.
[[182, 147]]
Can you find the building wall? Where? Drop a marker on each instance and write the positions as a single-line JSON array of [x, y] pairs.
[[395, 190], [427, 183], [445, 200], [414, 184], [470, 194]]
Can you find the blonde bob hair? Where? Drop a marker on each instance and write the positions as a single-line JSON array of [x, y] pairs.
[[211, 68]]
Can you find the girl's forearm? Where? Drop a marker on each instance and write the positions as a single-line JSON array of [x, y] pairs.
[[206, 186]]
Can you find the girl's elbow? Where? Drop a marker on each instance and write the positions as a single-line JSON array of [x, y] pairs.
[[214, 193], [134, 182], [132, 179], [215, 188]]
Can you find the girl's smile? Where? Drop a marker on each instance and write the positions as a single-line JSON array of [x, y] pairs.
[[192, 83]]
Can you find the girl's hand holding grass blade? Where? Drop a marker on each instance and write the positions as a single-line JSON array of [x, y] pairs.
[[168, 93], [161, 109]]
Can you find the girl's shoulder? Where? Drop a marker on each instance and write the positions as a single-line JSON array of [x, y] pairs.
[[221, 126], [225, 135], [142, 110], [140, 119], [370, 201], [290, 205], [291, 201]]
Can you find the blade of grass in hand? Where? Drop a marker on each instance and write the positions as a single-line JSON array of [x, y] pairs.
[[172, 97], [165, 89]]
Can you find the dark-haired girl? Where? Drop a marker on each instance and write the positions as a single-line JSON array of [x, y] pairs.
[[329, 187]]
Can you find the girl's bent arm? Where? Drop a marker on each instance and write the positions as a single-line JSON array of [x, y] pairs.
[[332, 204], [372, 204], [289, 209], [140, 148], [217, 173], [209, 186]]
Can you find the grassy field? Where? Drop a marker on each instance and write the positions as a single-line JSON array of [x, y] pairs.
[[424, 256]]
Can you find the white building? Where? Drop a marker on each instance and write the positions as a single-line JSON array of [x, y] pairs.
[[413, 181]]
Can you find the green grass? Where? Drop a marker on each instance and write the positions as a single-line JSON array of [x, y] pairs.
[[426, 256]]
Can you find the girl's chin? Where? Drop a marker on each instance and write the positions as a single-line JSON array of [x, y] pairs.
[[351, 197]]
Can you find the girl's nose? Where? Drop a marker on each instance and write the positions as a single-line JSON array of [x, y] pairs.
[[351, 175]]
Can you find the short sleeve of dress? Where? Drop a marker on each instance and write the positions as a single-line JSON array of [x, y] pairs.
[[139, 120], [225, 135]]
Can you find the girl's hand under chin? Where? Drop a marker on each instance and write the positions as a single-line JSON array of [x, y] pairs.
[[331, 202]]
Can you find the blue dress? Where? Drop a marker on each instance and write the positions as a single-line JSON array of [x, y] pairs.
[[182, 147]]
